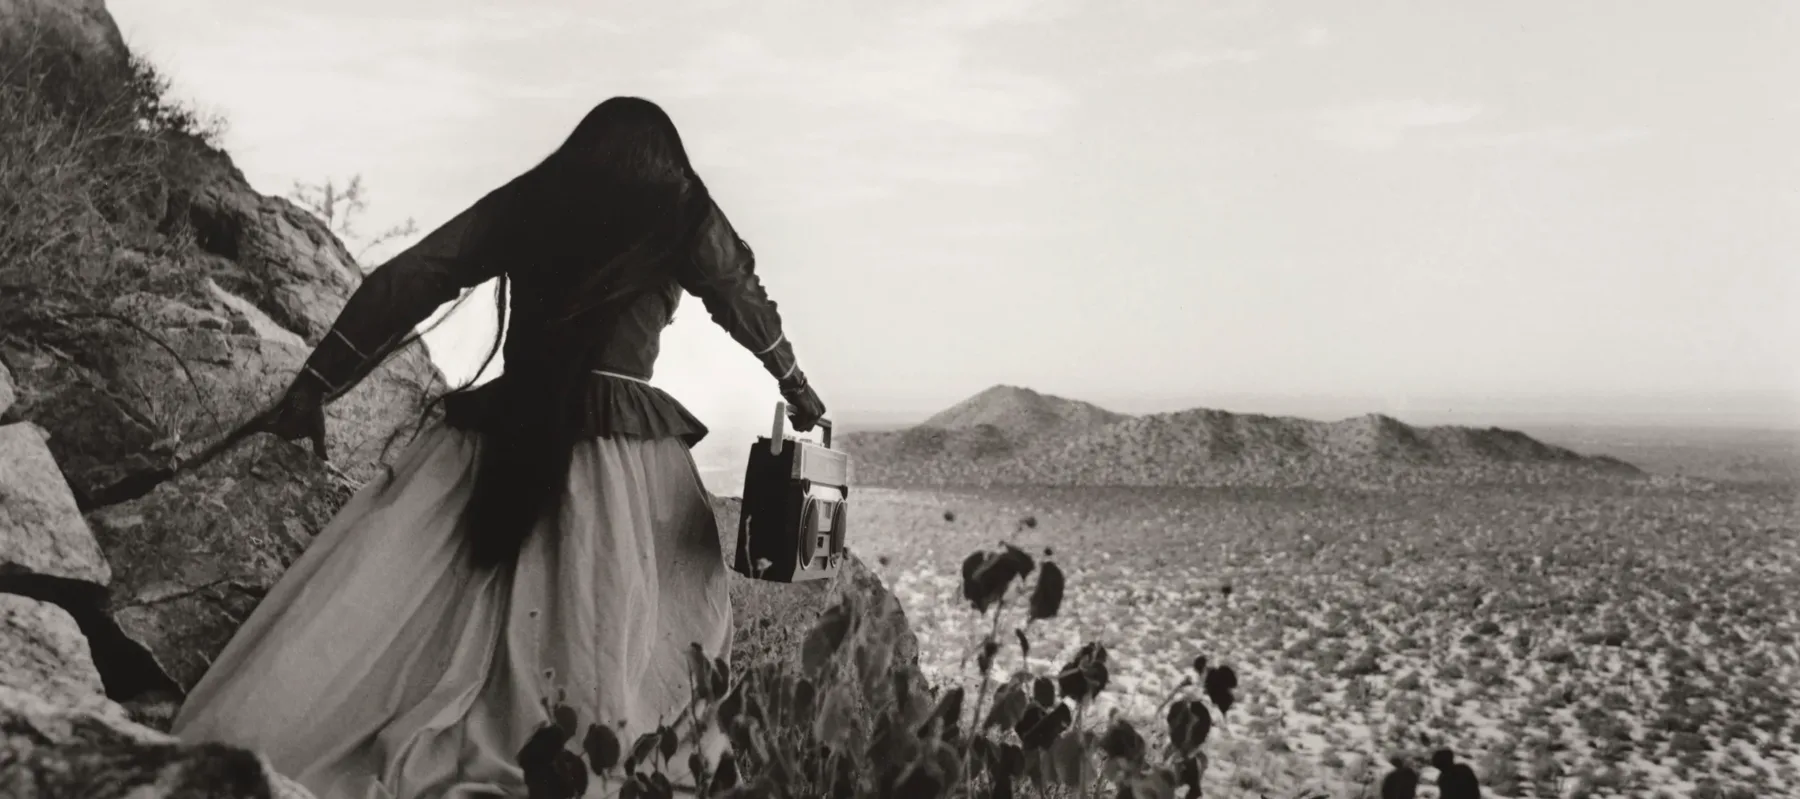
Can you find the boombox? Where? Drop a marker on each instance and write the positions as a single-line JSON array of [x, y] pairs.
[[795, 509]]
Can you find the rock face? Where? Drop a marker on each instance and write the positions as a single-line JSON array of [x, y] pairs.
[[122, 397], [160, 374], [204, 548]]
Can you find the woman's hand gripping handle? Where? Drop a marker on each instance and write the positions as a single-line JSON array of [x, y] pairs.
[[805, 409]]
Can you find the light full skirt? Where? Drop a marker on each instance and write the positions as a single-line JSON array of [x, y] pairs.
[[382, 666]]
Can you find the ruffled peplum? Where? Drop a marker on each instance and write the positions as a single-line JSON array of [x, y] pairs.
[[609, 407]]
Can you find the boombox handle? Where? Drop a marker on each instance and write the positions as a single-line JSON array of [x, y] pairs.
[[776, 437]]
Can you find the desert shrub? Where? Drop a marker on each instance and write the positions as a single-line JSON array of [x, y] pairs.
[[89, 147], [339, 206]]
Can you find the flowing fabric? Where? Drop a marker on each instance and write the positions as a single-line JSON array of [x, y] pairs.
[[383, 666]]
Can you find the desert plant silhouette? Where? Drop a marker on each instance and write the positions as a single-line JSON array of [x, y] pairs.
[[1401, 783], [1455, 780]]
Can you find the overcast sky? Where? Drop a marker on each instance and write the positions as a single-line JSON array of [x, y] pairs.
[[1463, 210]]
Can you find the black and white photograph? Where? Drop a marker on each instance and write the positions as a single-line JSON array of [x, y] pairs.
[[925, 399]]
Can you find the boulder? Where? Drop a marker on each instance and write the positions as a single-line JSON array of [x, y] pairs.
[[41, 530], [771, 619], [50, 751], [195, 555], [42, 652], [85, 23]]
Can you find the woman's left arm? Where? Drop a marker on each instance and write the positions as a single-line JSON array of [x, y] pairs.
[[397, 296]]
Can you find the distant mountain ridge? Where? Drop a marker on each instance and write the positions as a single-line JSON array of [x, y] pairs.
[[1009, 435]]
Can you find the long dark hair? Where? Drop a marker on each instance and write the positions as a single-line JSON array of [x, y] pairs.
[[586, 231]]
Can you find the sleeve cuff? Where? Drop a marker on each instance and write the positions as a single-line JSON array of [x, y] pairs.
[[779, 340], [323, 382], [336, 358], [779, 359]]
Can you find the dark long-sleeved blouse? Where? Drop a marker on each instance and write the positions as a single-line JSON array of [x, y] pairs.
[[618, 400]]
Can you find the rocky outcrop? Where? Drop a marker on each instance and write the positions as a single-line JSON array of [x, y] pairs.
[[121, 395], [43, 652], [231, 290], [42, 534], [127, 390], [771, 619], [118, 577]]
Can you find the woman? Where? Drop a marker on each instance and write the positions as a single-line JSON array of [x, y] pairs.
[[551, 532]]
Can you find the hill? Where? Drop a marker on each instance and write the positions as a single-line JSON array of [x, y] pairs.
[[999, 422], [1015, 436], [1022, 413]]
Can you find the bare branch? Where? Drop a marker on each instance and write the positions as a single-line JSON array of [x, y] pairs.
[[340, 206], [193, 381]]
